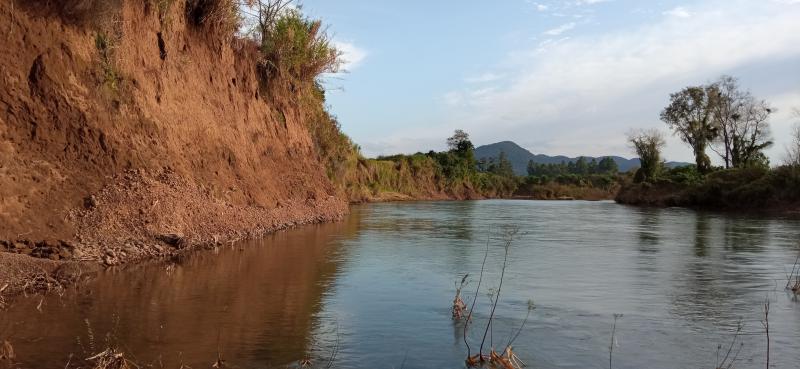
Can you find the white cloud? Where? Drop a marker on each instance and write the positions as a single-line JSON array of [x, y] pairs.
[[352, 55], [560, 29], [483, 78], [584, 93], [782, 122], [591, 2], [679, 12]]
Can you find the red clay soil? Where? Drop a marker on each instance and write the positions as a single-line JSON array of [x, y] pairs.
[[125, 134]]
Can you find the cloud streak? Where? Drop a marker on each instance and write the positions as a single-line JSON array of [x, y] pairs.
[[580, 95]]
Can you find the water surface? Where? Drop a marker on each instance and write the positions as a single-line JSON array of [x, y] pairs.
[[377, 289]]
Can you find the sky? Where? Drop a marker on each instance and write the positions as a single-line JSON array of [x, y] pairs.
[[567, 77]]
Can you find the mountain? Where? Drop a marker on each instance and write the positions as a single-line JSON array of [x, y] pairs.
[[519, 157]]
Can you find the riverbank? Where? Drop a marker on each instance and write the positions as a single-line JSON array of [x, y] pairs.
[[753, 190], [144, 216], [133, 130]]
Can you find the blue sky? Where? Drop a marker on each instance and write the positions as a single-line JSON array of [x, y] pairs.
[[558, 77]]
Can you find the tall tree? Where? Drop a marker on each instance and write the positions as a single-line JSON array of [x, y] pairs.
[[581, 166], [752, 134], [593, 166], [648, 145], [503, 166], [742, 123], [727, 102], [608, 165], [459, 141], [690, 116]]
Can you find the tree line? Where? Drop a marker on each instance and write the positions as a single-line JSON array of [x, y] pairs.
[[582, 166]]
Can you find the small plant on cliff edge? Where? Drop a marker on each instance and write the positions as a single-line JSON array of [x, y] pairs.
[[294, 46], [163, 7], [105, 47], [222, 17]]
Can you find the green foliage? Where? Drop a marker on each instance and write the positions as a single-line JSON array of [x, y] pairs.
[[685, 175], [453, 171], [738, 188], [648, 145], [589, 187], [163, 7], [689, 115], [105, 47], [297, 47], [501, 167], [606, 165]]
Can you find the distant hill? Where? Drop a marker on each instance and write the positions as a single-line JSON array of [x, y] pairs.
[[519, 157]]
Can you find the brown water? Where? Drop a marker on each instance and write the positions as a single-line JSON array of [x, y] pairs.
[[378, 286]]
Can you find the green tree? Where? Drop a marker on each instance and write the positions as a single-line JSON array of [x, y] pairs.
[[459, 142], [593, 166], [608, 165], [462, 163], [532, 168], [648, 145], [502, 167], [581, 166], [690, 116]]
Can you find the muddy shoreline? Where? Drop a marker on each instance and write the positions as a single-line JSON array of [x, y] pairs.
[[146, 216]]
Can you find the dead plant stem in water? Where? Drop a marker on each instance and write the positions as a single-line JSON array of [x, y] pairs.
[[475, 298], [509, 236], [766, 326], [613, 339], [728, 360]]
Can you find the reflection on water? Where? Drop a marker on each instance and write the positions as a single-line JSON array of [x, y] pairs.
[[252, 303], [379, 286]]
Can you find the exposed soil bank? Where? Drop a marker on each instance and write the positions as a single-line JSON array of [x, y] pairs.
[[129, 133]]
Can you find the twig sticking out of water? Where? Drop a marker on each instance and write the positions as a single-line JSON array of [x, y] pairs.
[[728, 360], [766, 326], [613, 339], [474, 300], [459, 307], [531, 308], [7, 351], [220, 363], [508, 238], [793, 279], [335, 350]]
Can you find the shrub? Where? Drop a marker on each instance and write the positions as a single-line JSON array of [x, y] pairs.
[[220, 16], [105, 48], [297, 47]]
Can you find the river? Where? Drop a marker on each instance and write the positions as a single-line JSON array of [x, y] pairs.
[[377, 289]]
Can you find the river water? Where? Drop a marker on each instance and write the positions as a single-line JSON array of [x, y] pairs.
[[377, 288]]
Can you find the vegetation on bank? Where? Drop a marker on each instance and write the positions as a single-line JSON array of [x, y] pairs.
[[722, 118]]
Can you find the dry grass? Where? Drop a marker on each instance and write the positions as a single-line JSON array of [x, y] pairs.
[[222, 17], [7, 351], [110, 359]]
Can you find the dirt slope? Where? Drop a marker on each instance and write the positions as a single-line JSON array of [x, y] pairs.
[[123, 112]]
